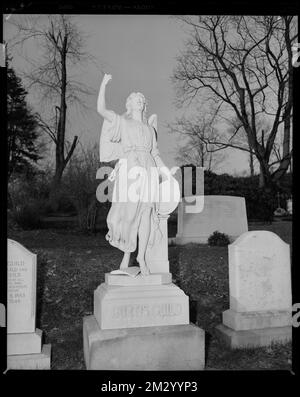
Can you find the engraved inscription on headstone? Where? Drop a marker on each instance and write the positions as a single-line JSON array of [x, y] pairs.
[[24, 341], [21, 289]]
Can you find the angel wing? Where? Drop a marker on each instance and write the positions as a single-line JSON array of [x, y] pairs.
[[152, 120]]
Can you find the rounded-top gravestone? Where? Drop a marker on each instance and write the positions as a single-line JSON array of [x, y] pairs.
[[259, 272], [260, 292]]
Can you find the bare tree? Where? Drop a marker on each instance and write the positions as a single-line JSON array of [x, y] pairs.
[[242, 66], [238, 137], [195, 149], [62, 48]]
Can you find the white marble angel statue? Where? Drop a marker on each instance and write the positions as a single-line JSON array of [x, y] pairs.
[[131, 139]]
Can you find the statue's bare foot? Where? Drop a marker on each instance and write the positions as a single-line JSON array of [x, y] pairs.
[[125, 261], [144, 268]]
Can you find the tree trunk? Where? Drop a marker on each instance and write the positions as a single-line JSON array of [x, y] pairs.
[[55, 188], [60, 163], [262, 179], [265, 178], [287, 114], [210, 161], [251, 164]]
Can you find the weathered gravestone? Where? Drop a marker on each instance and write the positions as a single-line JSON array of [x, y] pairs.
[[195, 222], [289, 206], [24, 340], [260, 291]]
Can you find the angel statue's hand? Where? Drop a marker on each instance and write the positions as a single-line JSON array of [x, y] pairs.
[[106, 78], [165, 171]]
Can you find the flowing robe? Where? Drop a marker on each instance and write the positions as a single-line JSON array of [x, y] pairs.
[[136, 176]]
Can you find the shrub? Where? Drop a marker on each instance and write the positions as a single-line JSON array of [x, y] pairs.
[[28, 215], [27, 199], [280, 212], [22, 189], [61, 201], [218, 239], [260, 204], [12, 225]]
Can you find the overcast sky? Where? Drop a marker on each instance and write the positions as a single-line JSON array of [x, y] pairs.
[[140, 52]]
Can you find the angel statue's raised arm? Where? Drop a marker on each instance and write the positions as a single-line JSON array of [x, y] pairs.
[[101, 106], [110, 147]]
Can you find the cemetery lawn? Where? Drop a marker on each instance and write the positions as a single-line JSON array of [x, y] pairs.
[[71, 266]]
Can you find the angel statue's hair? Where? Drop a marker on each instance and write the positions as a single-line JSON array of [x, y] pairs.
[[128, 113]]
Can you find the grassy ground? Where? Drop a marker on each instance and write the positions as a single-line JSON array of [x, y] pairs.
[[71, 265]]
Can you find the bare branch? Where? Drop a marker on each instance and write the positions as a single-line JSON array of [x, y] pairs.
[[242, 64]]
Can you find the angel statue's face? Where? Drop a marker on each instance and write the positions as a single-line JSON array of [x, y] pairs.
[[136, 102]]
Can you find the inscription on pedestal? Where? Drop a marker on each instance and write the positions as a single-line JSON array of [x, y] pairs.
[[156, 310], [139, 306]]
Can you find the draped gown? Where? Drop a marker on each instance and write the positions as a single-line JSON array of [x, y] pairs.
[[136, 183]]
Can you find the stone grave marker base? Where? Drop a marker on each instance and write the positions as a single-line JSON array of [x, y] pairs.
[[254, 337], [31, 361], [24, 343], [243, 321], [157, 348]]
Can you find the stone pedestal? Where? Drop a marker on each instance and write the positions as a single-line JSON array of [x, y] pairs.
[[165, 348], [142, 322], [141, 325], [140, 306]]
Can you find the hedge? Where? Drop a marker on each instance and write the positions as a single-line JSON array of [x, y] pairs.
[[260, 203]]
